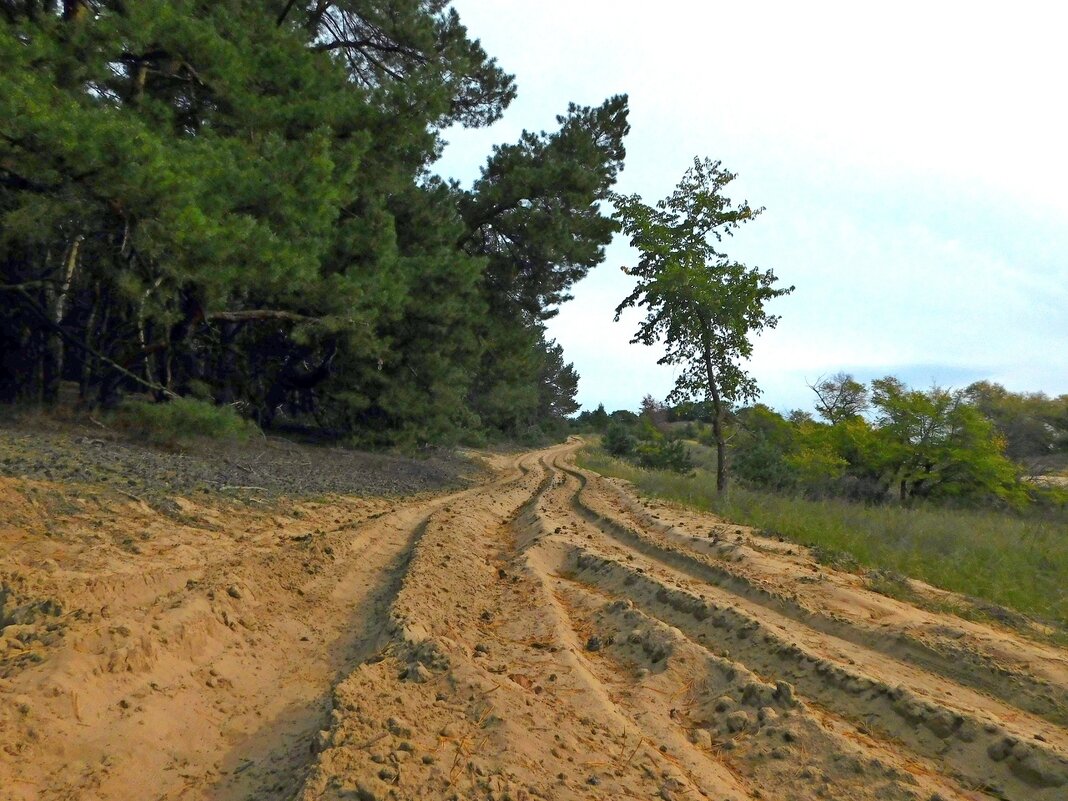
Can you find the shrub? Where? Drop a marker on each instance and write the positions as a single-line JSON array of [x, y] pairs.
[[664, 454], [182, 419], [762, 464], [473, 438], [618, 441], [817, 469]]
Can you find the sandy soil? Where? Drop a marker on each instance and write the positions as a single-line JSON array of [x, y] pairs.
[[545, 634]]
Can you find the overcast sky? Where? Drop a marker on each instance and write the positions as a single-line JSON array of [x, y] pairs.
[[911, 157]]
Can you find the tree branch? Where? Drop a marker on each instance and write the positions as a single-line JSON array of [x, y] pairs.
[[259, 315], [342, 43], [285, 12], [35, 307], [26, 285]]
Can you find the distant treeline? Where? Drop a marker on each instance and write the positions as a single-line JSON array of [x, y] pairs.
[[232, 201], [875, 443]]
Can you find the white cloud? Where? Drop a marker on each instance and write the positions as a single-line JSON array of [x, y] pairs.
[[910, 156]]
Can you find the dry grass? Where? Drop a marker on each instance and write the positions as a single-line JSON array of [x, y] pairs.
[[1000, 558]]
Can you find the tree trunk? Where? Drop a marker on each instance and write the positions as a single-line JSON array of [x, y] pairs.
[[226, 366], [55, 305], [285, 12], [141, 336], [721, 442], [87, 358], [258, 315], [717, 409], [140, 78]]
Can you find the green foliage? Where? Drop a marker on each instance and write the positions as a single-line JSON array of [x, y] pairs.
[[1006, 559], [1050, 498], [181, 420], [1035, 426], [557, 384], [761, 448], [213, 199], [702, 305], [841, 397], [816, 467], [921, 447], [693, 411], [639, 439], [535, 214], [597, 420], [663, 454], [534, 219], [522, 381], [934, 445], [618, 440]]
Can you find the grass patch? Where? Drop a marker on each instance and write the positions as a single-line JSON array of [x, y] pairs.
[[1001, 559], [182, 420]]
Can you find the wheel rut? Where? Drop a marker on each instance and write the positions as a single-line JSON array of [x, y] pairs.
[[713, 566], [552, 643], [545, 635]]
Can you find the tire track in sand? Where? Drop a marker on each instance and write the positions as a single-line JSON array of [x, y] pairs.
[[539, 651], [212, 679]]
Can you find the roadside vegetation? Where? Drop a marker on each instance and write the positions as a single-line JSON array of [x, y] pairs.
[[1011, 561], [944, 504], [182, 420]]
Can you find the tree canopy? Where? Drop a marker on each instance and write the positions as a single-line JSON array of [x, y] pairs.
[[1033, 425], [235, 202], [912, 446], [840, 397], [915, 446], [701, 304]]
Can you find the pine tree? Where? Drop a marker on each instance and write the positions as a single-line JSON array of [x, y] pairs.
[[535, 217]]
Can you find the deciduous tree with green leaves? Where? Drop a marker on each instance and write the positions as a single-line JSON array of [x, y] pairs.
[[704, 306], [840, 397], [1034, 425], [935, 445]]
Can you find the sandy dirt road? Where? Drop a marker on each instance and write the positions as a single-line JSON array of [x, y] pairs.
[[546, 634]]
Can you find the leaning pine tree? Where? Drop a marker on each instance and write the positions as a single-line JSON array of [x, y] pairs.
[[700, 303]]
